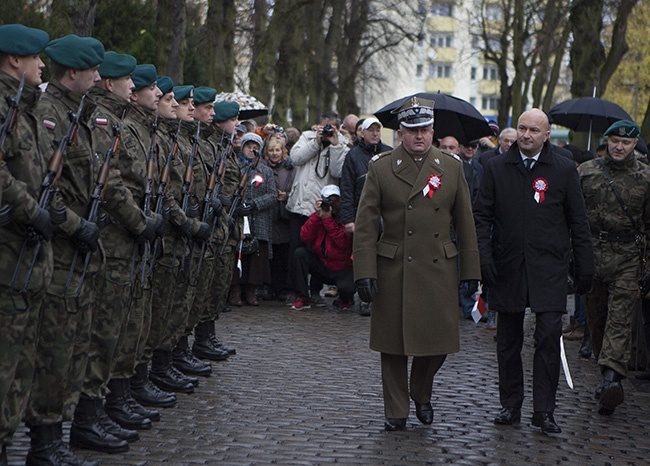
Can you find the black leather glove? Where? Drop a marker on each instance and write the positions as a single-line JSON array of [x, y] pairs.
[[87, 234], [42, 224], [58, 215], [366, 287], [153, 228], [5, 216], [226, 201], [203, 234], [186, 229], [244, 210], [583, 283], [472, 287], [489, 274], [217, 206]]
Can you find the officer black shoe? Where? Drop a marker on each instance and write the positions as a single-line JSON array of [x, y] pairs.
[[424, 412], [163, 375], [203, 347], [88, 430], [119, 409], [393, 424], [546, 422], [146, 393], [187, 363], [612, 392]]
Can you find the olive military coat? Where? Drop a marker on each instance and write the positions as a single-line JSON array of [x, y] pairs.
[[415, 312]]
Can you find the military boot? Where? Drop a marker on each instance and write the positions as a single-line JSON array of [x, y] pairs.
[[120, 410], [218, 344], [146, 393], [612, 392], [187, 363], [88, 430], [203, 346], [47, 448], [165, 377]]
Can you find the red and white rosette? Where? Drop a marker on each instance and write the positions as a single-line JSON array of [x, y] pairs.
[[540, 185], [432, 185]]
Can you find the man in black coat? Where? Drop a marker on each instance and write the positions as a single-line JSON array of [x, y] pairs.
[[530, 215]]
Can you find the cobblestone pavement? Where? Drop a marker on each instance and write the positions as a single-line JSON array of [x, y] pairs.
[[304, 389]]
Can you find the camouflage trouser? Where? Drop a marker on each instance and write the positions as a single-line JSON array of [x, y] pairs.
[[129, 352], [164, 289], [62, 352], [19, 320], [179, 314], [220, 285], [610, 306], [204, 290], [110, 316]]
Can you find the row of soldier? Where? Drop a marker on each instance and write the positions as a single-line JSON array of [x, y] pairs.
[[121, 212]]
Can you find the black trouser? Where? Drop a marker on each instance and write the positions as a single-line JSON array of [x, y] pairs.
[[296, 221], [645, 310], [546, 359], [305, 262]]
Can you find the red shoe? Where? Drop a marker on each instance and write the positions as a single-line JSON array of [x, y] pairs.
[[300, 303], [345, 305]]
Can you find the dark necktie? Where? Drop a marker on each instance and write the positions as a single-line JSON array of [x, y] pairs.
[[528, 163]]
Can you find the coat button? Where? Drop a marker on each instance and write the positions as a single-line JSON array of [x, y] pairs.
[[410, 207], [437, 209], [435, 260], [436, 235], [410, 259], [410, 233]]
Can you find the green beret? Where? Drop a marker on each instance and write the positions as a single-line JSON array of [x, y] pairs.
[[16, 39], [77, 53], [143, 76], [624, 129], [203, 95], [165, 84], [225, 111], [183, 92], [116, 65]]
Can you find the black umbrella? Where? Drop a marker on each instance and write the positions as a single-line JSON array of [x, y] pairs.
[[453, 117], [587, 114]]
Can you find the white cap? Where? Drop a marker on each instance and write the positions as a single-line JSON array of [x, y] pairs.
[[368, 122], [330, 190]]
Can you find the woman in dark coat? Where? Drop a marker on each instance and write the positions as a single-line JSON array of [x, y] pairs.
[[528, 221]]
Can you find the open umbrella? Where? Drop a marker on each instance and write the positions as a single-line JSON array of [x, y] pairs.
[[453, 117], [249, 106], [587, 114]]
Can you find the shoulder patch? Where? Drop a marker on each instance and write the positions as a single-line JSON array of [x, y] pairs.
[[49, 124], [450, 154], [380, 155]]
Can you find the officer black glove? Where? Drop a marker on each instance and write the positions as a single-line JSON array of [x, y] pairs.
[[42, 224], [366, 287], [87, 234], [583, 283], [489, 274], [244, 210], [153, 227], [203, 234], [186, 230], [472, 287], [217, 205]]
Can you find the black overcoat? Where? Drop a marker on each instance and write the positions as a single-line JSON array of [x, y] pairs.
[[530, 242]]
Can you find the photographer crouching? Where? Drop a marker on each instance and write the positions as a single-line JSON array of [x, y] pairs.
[[327, 254]]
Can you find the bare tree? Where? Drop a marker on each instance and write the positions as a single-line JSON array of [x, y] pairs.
[[171, 22], [72, 16]]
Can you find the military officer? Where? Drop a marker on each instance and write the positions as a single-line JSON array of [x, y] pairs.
[[616, 188], [22, 167], [67, 310], [411, 272]]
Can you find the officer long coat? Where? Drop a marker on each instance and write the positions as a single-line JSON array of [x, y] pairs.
[[530, 242], [415, 260]]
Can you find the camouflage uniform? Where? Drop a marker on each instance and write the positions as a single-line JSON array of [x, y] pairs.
[[22, 172], [613, 297], [124, 221], [65, 319]]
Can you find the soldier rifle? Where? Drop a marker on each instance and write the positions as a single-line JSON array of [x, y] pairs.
[[95, 204], [7, 128], [48, 188]]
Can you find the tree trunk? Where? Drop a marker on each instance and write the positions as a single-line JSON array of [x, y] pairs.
[[587, 52], [72, 16], [171, 22], [619, 44], [220, 34]]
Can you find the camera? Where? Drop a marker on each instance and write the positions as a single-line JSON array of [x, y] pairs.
[[328, 131], [325, 205], [278, 129]]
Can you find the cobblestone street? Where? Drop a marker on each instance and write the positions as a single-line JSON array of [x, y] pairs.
[[305, 389]]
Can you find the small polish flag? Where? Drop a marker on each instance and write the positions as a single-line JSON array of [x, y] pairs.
[[101, 121], [479, 308], [49, 124], [257, 180]]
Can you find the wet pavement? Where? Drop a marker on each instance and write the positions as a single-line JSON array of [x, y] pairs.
[[304, 389]]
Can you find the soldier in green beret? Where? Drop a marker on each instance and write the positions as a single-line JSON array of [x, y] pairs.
[[22, 167], [616, 189], [124, 221], [66, 312]]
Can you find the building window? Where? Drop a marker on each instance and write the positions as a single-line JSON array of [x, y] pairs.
[[442, 9], [472, 73], [418, 70], [440, 70], [490, 103], [440, 40], [472, 100], [490, 73]]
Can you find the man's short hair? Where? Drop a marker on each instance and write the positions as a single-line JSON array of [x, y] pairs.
[[331, 115]]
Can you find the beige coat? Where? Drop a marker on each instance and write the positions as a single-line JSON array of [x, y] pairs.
[[416, 310]]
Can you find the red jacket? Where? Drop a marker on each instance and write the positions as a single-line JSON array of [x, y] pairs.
[[338, 242]]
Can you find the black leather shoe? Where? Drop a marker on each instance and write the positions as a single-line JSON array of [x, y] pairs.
[[612, 392], [392, 424], [424, 412], [546, 422], [508, 417]]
